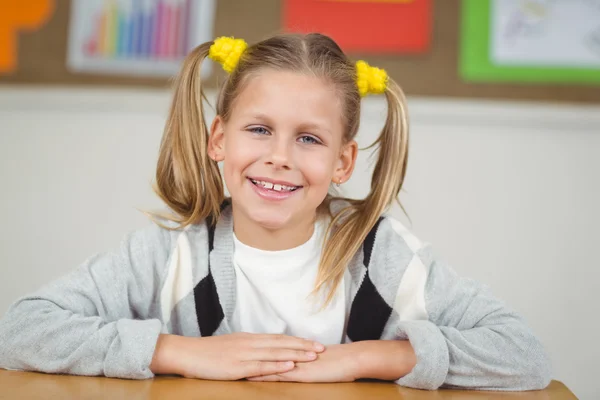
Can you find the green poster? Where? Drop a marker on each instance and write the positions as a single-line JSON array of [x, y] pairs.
[[530, 41]]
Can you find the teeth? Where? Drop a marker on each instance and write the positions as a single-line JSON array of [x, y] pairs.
[[277, 187]]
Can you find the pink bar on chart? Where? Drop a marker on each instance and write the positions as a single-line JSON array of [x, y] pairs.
[[165, 32], [90, 47], [158, 28], [175, 36], [184, 46]]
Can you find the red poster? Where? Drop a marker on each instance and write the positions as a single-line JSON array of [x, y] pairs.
[[373, 26]]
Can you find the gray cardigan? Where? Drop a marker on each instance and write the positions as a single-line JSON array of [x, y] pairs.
[[105, 316]]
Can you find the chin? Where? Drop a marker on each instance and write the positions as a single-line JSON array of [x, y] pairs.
[[269, 219]]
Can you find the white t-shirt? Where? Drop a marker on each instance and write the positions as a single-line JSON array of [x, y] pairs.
[[273, 292]]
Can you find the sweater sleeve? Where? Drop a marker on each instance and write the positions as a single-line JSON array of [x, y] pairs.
[[97, 320], [469, 339]]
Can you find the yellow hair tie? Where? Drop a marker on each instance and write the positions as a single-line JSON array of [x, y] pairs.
[[370, 79], [227, 51]]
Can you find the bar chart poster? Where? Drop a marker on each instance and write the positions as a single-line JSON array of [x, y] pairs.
[[137, 37]]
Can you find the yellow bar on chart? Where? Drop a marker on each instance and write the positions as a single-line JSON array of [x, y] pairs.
[[111, 29]]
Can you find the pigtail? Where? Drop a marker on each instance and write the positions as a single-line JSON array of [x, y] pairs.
[[187, 179], [390, 169], [350, 227]]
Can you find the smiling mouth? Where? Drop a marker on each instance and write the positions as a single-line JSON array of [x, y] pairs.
[[274, 186]]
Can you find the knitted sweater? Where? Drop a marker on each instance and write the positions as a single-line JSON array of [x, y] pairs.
[[105, 316]]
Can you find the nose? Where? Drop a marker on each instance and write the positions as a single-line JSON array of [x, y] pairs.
[[280, 155]]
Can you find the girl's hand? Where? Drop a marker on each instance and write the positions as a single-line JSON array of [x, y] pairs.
[[376, 359], [338, 363], [231, 357]]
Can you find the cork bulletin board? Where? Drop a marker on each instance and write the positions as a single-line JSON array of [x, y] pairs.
[[42, 57]]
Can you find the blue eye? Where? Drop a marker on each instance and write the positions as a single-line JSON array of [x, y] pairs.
[[309, 140], [259, 130]]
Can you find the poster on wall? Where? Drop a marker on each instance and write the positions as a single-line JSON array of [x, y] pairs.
[[137, 37], [366, 26], [16, 17], [546, 41]]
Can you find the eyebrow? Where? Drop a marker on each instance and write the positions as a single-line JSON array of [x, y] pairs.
[[315, 127], [261, 117]]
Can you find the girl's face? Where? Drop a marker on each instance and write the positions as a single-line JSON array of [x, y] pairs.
[[282, 147]]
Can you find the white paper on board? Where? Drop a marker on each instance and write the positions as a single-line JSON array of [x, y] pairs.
[[552, 33]]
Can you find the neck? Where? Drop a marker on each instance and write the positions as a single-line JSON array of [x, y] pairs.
[[260, 237]]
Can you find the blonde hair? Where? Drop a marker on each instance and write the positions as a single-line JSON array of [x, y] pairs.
[[190, 183]]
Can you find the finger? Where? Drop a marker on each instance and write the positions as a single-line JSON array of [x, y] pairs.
[[295, 375], [275, 354], [289, 342], [269, 378], [260, 368]]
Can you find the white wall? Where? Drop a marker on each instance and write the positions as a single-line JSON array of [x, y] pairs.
[[508, 193]]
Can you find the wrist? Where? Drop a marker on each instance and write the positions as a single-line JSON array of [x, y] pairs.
[[384, 359], [163, 359]]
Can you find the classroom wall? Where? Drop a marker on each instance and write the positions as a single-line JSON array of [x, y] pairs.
[[508, 193]]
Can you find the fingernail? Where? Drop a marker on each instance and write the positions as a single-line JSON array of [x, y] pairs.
[[311, 354], [319, 347], [289, 364]]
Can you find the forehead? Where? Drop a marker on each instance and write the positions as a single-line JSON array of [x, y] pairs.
[[292, 96]]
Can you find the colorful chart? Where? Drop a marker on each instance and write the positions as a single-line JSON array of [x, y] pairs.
[[137, 37]]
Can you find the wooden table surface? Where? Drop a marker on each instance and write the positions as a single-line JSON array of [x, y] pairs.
[[30, 385]]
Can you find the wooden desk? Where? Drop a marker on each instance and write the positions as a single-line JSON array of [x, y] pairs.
[[29, 385]]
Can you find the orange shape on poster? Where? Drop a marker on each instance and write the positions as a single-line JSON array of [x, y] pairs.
[[16, 15]]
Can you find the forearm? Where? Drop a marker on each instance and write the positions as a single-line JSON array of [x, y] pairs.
[[37, 335], [502, 357], [385, 359]]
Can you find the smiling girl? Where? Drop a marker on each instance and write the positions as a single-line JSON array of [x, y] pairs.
[[281, 281]]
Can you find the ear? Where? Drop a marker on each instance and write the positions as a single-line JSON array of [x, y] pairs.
[[216, 140], [346, 162]]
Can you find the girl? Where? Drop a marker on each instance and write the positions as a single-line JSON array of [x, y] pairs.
[[282, 281]]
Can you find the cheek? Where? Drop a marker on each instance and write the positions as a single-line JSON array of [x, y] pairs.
[[319, 171], [234, 162], [240, 152]]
